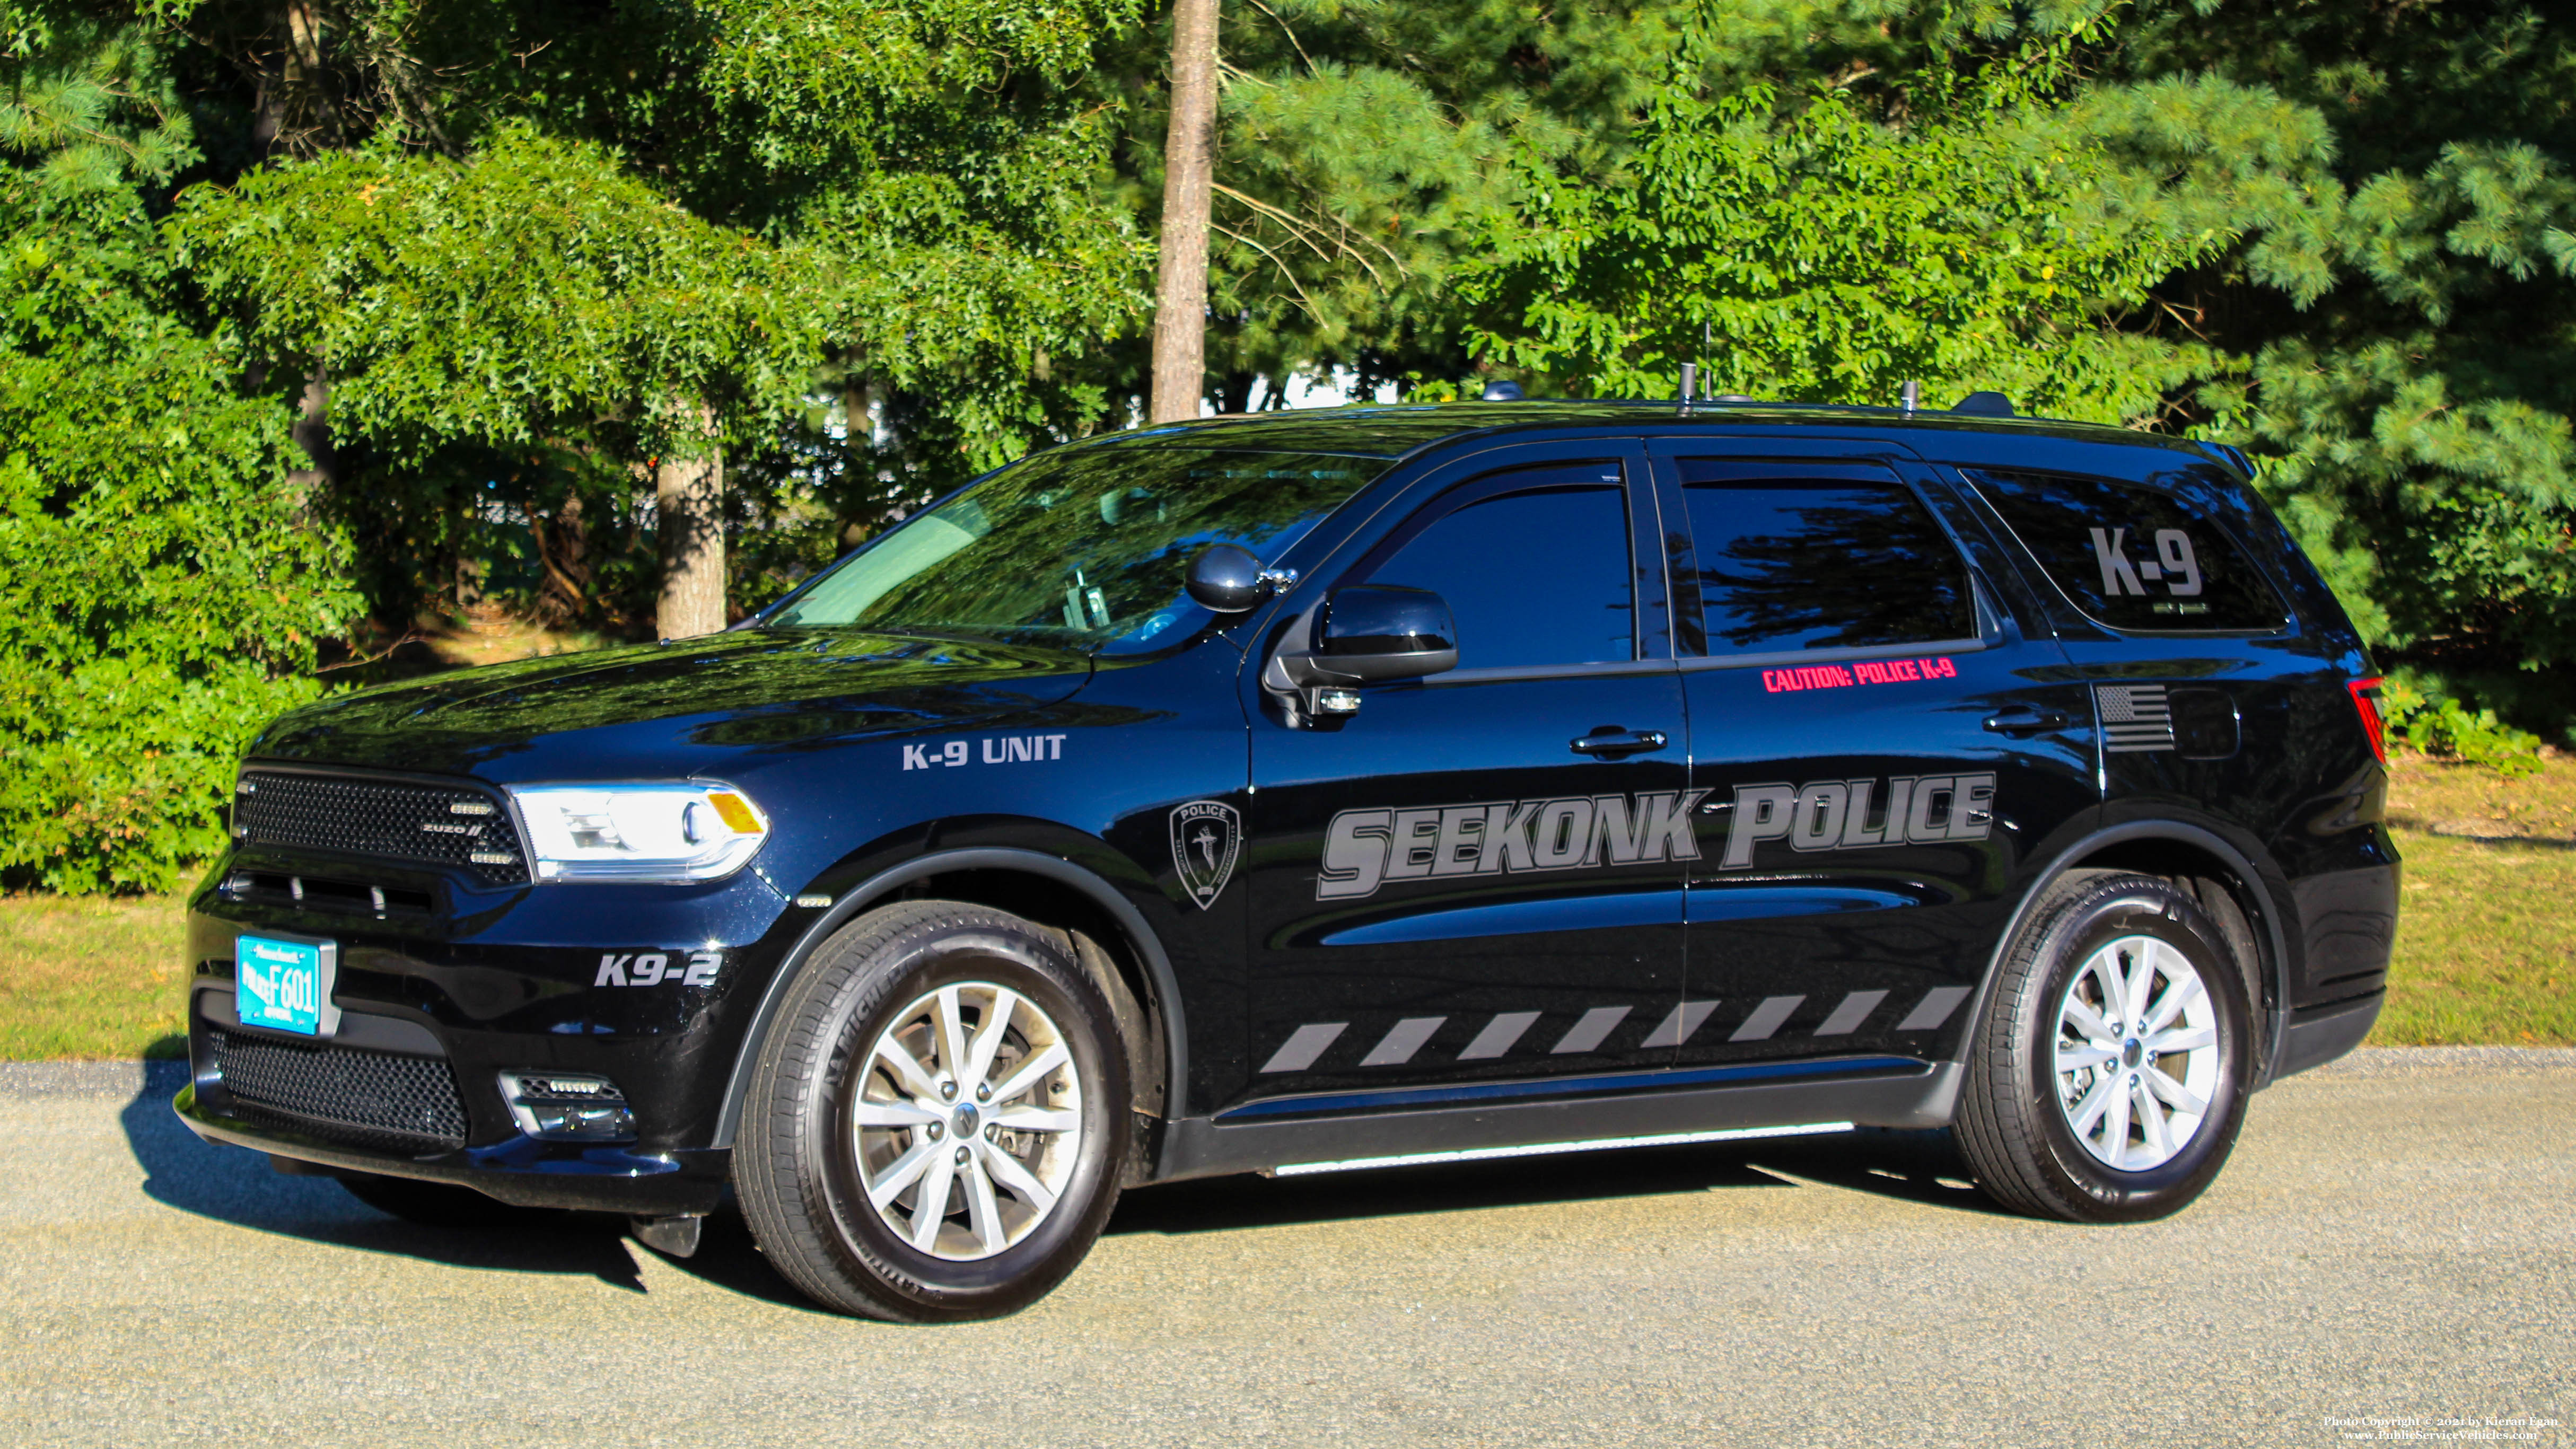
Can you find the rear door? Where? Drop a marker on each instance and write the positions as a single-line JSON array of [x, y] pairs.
[[1478, 876], [1885, 735]]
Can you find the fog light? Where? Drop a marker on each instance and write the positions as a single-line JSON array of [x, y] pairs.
[[562, 1107]]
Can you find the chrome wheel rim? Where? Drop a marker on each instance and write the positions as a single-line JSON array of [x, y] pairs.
[[968, 1121], [2137, 1053]]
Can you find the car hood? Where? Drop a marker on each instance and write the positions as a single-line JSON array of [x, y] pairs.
[[678, 707]]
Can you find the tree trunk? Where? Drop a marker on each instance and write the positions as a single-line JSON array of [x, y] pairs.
[[688, 497], [312, 433], [1189, 166]]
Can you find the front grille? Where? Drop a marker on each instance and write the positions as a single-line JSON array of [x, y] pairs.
[[453, 825], [366, 1099], [320, 893]]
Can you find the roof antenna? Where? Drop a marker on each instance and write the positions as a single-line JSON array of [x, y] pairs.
[[1690, 379], [1913, 397]]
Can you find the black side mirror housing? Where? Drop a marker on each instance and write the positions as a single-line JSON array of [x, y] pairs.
[[1380, 631], [1226, 579]]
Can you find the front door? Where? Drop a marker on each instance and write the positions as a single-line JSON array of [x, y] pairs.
[[1882, 748], [1477, 878]]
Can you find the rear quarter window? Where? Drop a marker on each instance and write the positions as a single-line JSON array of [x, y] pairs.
[[2134, 558]]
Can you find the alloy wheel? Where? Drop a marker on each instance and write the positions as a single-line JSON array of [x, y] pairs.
[[968, 1123], [2137, 1058]]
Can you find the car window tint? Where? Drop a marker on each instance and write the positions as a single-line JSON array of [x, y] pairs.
[[1790, 563], [2134, 558], [1536, 575], [1086, 547]]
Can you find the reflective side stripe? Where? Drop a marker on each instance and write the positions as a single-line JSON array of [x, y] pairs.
[[1301, 1048], [1854, 1010], [1399, 1045], [1677, 1027], [1936, 1008], [1588, 1032], [1766, 1018], [1498, 1035], [1405, 1040]]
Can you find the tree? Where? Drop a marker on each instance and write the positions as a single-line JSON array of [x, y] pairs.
[[2409, 329], [1180, 315], [529, 293], [925, 164], [162, 582], [1961, 227]]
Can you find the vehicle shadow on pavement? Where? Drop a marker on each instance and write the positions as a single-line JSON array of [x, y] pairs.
[[1919, 1167], [235, 1185], [728, 1258], [1916, 1167]]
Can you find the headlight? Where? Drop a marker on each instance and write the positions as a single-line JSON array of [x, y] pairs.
[[639, 832]]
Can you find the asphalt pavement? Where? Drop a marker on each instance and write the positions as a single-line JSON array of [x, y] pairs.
[[2391, 1257]]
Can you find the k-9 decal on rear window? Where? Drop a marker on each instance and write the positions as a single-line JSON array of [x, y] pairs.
[[2132, 557], [1364, 849]]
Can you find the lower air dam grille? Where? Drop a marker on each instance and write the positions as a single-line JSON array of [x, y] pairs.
[[366, 1099]]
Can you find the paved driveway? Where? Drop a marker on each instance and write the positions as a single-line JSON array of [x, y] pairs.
[[2395, 1241]]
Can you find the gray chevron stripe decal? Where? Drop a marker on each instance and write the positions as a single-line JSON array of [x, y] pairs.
[[1501, 1033]]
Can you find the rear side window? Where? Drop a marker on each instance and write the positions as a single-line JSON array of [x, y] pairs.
[[1801, 559], [2134, 558], [1535, 571]]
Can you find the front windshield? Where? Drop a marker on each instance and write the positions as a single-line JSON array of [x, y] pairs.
[[1087, 547]]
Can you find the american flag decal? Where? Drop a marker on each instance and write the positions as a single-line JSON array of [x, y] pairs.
[[2134, 718]]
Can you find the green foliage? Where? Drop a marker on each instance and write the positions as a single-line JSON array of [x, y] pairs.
[[1962, 231], [530, 289], [160, 590], [2408, 326], [2439, 724]]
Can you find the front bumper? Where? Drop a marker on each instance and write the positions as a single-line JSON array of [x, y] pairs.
[[523, 1171], [435, 1006]]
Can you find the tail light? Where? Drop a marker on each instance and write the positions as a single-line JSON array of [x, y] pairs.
[[2365, 702]]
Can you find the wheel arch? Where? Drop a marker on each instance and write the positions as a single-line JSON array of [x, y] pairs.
[[1045, 888], [2186, 853]]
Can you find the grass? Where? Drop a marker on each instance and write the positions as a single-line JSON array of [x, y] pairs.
[[90, 978], [2486, 948], [2486, 937]]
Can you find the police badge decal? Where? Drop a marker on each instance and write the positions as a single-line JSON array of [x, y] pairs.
[[1206, 837]]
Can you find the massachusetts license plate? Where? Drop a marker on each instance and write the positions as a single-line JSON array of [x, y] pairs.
[[282, 985]]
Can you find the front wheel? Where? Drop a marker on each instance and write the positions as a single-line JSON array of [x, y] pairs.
[[2109, 1079], [936, 1121]]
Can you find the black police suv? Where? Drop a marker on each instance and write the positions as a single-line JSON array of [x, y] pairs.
[[1318, 791]]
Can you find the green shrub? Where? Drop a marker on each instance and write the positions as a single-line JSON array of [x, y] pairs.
[[160, 590], [2438, 724]]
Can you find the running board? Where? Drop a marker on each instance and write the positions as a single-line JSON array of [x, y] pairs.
[[1198, 1147], [1542, 1149]]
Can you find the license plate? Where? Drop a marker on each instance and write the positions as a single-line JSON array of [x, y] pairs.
[[284, 985]]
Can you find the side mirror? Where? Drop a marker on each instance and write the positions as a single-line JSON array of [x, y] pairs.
[[1379, 631], [1226, 579]]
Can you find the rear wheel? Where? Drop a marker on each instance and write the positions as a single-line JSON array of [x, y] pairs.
[[936, 1120], [2109, 1078]]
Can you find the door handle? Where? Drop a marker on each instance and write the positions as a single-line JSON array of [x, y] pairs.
[[2023, 719], [1610, 742]]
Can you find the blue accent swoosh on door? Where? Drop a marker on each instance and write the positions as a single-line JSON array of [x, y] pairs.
[[1521, 918]]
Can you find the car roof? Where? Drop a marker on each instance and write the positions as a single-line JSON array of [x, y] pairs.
[[1392, 431]]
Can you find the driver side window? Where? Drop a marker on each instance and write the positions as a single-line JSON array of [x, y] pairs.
[[1534, 564]]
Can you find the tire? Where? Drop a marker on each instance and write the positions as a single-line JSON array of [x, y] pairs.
[[2050, 1126], [431, 1204], [839, 1156]]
